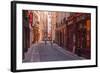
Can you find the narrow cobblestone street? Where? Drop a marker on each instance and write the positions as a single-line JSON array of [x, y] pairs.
[[69, 33], [42, 52]]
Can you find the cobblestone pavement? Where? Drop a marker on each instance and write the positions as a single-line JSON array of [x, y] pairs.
[[42, 52]]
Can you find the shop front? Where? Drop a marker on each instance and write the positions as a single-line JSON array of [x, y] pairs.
[[78, 34], [83, 35], [71, 34]]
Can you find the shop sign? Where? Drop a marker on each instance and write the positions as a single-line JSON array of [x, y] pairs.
[[70, 22], [80, 18]]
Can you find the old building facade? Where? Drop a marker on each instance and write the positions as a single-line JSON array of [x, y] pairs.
[[73, 33]]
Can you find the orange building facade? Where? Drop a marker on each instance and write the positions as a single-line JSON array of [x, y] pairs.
[[74, 34]]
